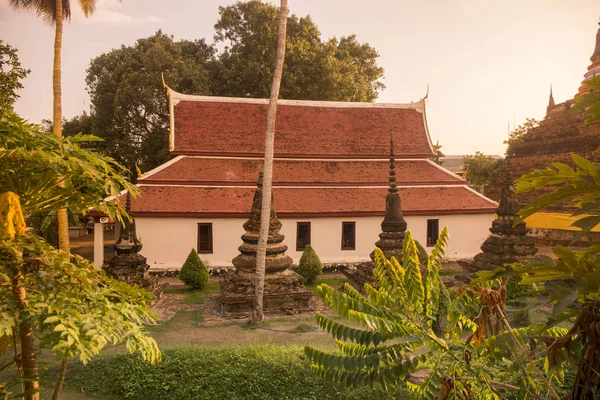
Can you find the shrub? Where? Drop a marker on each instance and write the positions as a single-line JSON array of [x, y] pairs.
[[193, 272], [233, 372], [310, 265]]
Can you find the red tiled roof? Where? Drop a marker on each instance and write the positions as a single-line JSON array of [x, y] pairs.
[[222, 126], [219, 172], [306, 202]]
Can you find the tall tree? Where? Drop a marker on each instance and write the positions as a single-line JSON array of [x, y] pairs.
[[481, 170], [11, 74], [265, 217], [55, 12], [337, 69], [129, 108]]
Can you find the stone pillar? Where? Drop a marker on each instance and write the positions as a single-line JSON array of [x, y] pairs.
[[98, 243]]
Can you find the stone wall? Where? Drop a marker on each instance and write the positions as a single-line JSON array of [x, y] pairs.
[[558, 135]]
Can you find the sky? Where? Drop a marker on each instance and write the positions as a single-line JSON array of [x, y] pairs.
[[489, 64]]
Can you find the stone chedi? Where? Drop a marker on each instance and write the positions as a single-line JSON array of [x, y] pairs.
[[508, 242], [558, 135], [284, 289], [391, 238], [594, 68], [128, 265]]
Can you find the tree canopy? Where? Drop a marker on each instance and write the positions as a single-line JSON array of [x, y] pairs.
[[336, 69], [11, 74], [480, 169], [129, 105]]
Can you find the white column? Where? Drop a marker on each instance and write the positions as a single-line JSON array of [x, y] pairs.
[[98, 244]]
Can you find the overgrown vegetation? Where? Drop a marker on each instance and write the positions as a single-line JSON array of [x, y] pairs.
[[391, 338], [250, 372], [193, 272], [48, 297], [310, 265]]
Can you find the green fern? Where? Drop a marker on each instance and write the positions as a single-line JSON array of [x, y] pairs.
[[397, 307]]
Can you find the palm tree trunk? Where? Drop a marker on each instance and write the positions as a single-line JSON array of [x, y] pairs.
[[62, 218], [258, 315]]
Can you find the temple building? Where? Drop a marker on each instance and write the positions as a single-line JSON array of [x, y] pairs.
[[330, 181], [559, 134]]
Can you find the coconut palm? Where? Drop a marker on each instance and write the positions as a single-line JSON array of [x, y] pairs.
[[50, 10], [258, 315]]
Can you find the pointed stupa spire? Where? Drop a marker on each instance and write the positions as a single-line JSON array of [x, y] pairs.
[[128, 242], [393, 226], [596, 56], [393, 188], [594, 68], [551, 103]]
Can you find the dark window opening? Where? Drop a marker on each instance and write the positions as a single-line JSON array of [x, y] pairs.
[[302, 235], [433, 231], [348, 235], [205, 239]]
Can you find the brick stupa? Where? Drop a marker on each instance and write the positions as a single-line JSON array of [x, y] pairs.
[[508, 241], [128, 265], [284, 289]]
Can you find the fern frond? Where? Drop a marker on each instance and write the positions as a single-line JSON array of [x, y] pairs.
[[358, 350], [413, 280], [341, 303], [387, 328], [343, 332]]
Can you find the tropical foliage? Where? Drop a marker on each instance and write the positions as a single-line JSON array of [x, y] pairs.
[[571, 281], [400, 310], [49, 298], [390, 338]]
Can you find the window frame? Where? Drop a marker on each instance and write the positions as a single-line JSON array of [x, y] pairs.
[[431, 240], [353, 224], [298, 224], [210, 238]]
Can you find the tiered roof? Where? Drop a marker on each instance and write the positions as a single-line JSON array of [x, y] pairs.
[[330, 160]]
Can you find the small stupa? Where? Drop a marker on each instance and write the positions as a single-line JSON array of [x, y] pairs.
[[391, 238], [128, 265], [508, 242], [284, 289]]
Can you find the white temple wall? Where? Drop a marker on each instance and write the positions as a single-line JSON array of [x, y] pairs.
[[167, 241]]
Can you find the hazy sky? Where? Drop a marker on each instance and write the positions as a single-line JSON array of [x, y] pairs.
[[487, 62]]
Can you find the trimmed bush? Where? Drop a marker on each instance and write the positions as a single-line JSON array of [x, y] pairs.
[[310, 265], [193, 272]]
